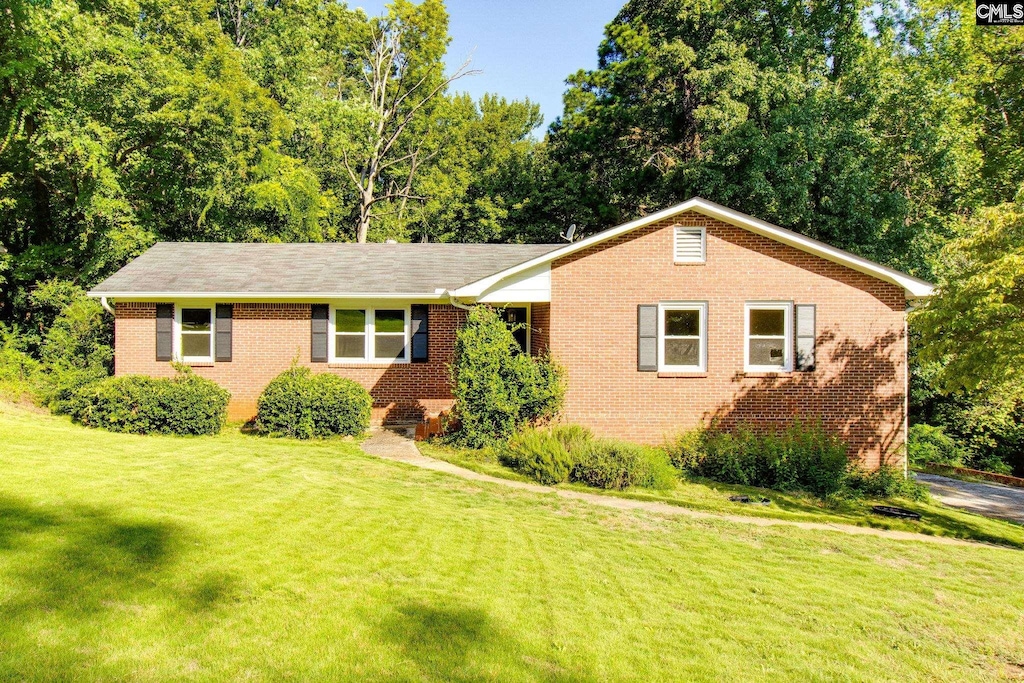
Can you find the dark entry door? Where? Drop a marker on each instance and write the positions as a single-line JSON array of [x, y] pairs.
[[516, 319]]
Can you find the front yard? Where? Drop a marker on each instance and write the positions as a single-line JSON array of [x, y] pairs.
[[710, 496], [228, 557]]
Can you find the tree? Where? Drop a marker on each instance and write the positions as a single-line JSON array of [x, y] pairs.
[[975, 325], [793, 112], [404, 80], [124, 126]]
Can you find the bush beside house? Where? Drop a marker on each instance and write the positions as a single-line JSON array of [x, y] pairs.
[[498, 389], [800, 457], [300, 404], [184, 404], [570, 453]]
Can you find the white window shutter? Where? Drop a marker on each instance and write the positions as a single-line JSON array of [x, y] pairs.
[[689, 245]]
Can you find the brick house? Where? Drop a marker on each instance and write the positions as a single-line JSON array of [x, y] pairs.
[[694, 313]]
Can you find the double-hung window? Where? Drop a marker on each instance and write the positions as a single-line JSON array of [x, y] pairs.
[[195, 334], [370, 335], [682, 336], [768, 343]]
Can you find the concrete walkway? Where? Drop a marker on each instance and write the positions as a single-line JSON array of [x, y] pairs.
[[389, 444], [990, 500]]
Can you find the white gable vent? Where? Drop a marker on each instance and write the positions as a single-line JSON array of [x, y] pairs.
[[689, 245]]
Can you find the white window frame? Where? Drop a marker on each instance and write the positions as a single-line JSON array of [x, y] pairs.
[[702, 307], [703, 243], [178, 308], [370, 332], [787, 345]]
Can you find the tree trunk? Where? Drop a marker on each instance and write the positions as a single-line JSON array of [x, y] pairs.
[[365, 201]]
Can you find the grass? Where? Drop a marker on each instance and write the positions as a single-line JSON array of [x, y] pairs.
[[700, 494], [220, 558]]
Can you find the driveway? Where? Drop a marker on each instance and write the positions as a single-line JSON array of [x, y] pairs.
[[990, 500]]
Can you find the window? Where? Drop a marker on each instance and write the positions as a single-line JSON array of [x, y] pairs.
[[369, 334], [350, 334], [389, 334], [682, 332], [769, 337], [690, 245], [518, 321], [195, 334]]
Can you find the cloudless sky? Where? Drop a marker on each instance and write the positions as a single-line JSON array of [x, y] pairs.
[[525, 48]]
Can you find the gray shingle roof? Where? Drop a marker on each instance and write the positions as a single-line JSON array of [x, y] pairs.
[[316, 268]]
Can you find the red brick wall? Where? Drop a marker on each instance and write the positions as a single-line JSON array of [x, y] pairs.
[[857, 390], [265, 339], [540, 324]]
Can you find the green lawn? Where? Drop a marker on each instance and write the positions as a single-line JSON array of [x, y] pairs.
[[709, 496], [231, 557]]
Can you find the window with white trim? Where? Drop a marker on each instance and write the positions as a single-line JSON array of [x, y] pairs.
[[683, 336], [689, 245], [370, 335], [195, 334], [768, 338]]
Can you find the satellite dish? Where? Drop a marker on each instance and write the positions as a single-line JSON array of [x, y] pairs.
[[569, 234]]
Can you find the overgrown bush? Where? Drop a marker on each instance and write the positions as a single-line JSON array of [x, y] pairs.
[[540, 455], [63, 346], [931, 444], [184, 404], [498, 389], [799, 457], [608, 464], [885, 482], [573, 437], [303, 405]]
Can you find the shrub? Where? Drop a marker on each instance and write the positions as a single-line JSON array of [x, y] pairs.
[[608, 464], [184, 404], [885, 482], [573, 437], [799, 457], [498, 389], [540, 455], [303, 405], [931, 444], [19, 372]]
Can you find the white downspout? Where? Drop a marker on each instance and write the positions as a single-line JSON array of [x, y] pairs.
[[106, 305], [456, 303]]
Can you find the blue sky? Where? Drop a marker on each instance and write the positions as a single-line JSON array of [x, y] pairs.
[[525, 48]]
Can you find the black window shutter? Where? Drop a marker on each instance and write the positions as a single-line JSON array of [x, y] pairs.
[[805, 336], [164, 331], [222, 354], [319, 317], [647, 338], [420, 326]]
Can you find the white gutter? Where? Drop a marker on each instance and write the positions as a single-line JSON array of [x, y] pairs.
[[260, 296], [106, 306]]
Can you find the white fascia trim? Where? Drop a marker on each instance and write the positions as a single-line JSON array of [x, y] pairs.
[[258, 296], [914, 287]]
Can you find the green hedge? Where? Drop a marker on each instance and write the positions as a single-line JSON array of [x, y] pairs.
[[184, 404], [609, 464], [570, 453], [303, 405], [798, 457]]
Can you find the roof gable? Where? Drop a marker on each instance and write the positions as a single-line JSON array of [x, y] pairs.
[[914, 287]]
